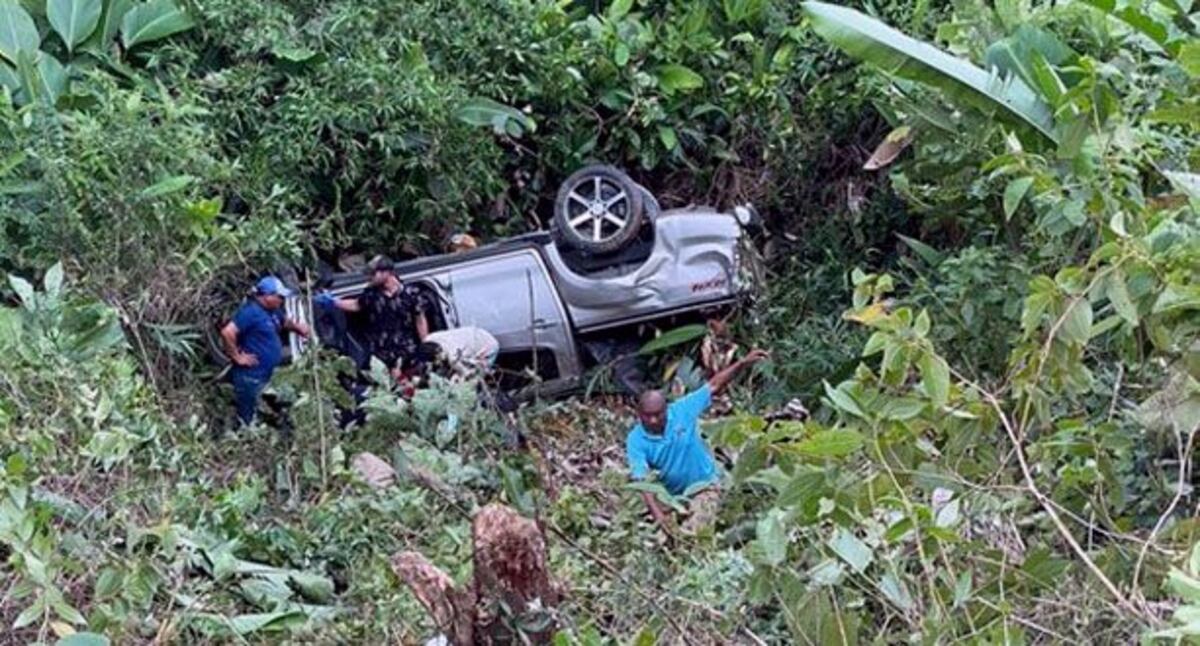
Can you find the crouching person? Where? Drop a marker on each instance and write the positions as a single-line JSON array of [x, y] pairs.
[[253, 342], [667, 440], [466, 351]]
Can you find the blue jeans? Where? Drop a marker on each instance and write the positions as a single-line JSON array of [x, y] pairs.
[[247, 388]]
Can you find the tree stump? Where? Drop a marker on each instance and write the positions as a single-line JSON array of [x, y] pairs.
[[511, 590]]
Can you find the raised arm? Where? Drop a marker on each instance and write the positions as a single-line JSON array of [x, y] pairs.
[[719, 381]]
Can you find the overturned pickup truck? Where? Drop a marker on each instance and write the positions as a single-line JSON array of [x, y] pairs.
[[612, 269]]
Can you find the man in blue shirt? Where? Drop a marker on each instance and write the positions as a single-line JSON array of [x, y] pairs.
[[667, 439], [254, 344]]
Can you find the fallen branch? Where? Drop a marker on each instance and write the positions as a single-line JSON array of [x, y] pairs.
[[1047, 505]]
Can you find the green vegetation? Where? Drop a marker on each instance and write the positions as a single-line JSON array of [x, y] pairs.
[[995, 327]]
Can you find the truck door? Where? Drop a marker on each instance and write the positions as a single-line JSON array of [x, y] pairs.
[[512, 298]]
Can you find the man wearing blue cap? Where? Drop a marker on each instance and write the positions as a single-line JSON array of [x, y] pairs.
[[254, 344]]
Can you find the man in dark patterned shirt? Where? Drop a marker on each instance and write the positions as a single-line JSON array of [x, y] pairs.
[[395, 321]]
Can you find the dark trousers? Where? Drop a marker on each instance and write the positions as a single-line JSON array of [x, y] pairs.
[[247, 389]]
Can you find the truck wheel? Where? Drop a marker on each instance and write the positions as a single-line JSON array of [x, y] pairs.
[[599, 210]]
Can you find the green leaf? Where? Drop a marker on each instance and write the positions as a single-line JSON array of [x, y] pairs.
[[850, 549], [1141, 22], [243, 625], [619, 9], [899, 55], [1077, 322], [153, 20], [935, 377], [167, 186], [678, 336], [1014, 193], [828, 572], [51, 78], [901, 408], [1021, 52], [926, 252], [110, 23], [30, 614], [1177, 297], [53, 280], [1189, 57], [83, 639], [68, 612], [17, 31], [896, 592], [74, 20], [621, 54], [1118, 295], [1184, 585], [23, 289], [962, 589], [503, 119], [843, 400], [677, 78], [771, 537], [832, 443], [313, 587], [294, 54], [949, 515], [667, 136]]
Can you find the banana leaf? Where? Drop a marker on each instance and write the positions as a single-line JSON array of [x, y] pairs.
[[867, 39]]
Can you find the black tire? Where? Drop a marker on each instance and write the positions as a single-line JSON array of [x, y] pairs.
[[605, 201]]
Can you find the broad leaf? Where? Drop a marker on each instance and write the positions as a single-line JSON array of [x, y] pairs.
[[502, 119], [23, 289], [677, 78], [1017, 53], [832, 443], [17, 31], [1144, 24], [850, 549], [1014, 193], [52, 78], [1118, 295], [153, 20], [74, 20], [619, 9], [896, 592], [53, 280], [1077, 322], [926, 252], [110, 23], [672, 338], [935, 377], [772, 538], [167, 186], [897, 54], [843, 400]]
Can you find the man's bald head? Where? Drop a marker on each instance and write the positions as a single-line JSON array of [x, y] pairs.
[[652, 411]]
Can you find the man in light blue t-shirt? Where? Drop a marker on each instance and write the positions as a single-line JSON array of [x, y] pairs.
[[667, 438]]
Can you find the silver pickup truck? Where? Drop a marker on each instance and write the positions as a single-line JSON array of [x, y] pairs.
[[555, 299]]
